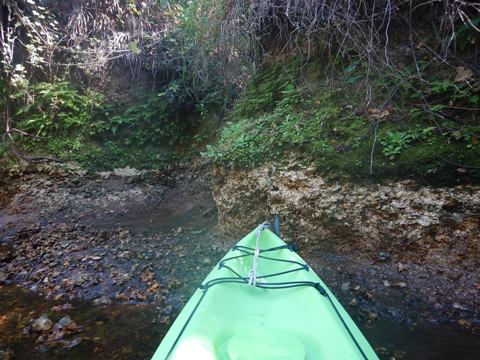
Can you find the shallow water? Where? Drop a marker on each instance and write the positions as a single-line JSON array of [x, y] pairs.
[[122, 331]]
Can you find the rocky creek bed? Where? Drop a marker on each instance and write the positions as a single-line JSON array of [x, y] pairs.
[[84, 256]]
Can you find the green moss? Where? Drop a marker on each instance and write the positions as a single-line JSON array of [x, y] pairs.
[[289, 128]]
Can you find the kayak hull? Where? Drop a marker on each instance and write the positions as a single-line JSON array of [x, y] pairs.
[[290, 314]]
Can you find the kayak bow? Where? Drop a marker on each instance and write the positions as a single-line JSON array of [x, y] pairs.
[[262, 301]]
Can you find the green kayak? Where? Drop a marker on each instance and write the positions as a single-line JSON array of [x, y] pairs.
[[262, 301]]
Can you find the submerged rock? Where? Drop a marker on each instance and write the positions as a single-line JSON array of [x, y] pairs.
[[102, 301], [42, 324], [72, 343], [67, 323]]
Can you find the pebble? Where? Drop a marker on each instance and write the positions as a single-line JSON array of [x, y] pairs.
[[102, 301], [43, 323]]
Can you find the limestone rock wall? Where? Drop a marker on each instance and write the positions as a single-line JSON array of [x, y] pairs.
[[398, 220]]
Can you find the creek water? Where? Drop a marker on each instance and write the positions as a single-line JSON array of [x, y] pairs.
[[421, 342], [133, 331], [121, 331]]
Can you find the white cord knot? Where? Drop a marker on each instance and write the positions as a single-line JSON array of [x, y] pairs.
[[252, 276]]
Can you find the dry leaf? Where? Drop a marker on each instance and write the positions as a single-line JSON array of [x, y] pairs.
[[378, 114]]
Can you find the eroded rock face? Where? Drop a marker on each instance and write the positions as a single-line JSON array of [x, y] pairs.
[[401, 219]]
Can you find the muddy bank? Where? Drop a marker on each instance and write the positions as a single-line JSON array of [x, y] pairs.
[[399, 240]]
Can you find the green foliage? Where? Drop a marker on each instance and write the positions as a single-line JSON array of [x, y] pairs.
[[242, 142], [194, 55], [55, 116], [466, 36], [99, 134], [144, 132], [47, 109], [435, 95], [264, 122], [202, 53], [394, 142], [113, 154], [149, 120], [270, 85], [288, 128], [279, 117]]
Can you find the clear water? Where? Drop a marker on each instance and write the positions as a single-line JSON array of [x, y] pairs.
[[123, 331]]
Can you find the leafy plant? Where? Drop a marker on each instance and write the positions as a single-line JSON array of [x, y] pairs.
[[271, 85], [394, 142], [273, 132], [52, 117], [148, 121], [466, 35]]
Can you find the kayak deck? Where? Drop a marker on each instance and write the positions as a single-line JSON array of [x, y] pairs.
[[289, 315]]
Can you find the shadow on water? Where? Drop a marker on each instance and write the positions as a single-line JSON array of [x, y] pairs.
[[424, 341], [178, 207]]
